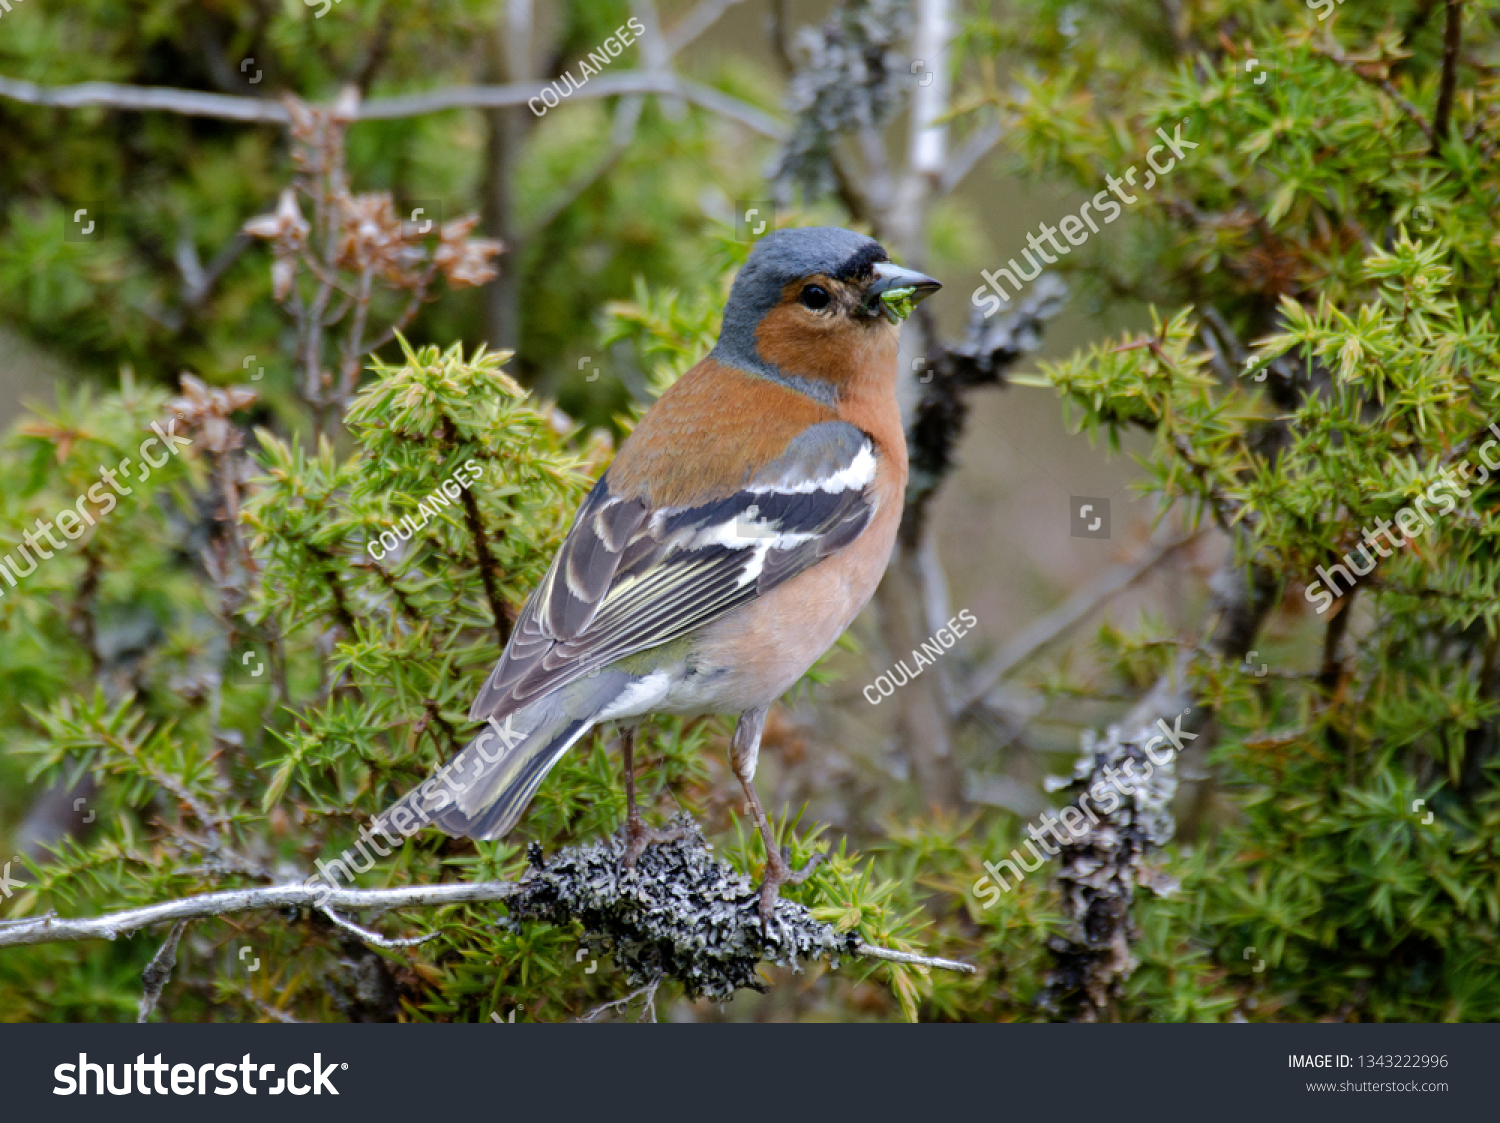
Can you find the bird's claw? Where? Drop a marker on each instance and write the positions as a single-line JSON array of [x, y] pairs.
[[779, 872], [638, 836]]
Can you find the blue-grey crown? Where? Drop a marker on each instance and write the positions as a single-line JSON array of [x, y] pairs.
[[778, 259]]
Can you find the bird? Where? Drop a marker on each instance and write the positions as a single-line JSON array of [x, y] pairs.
[[740, 529]]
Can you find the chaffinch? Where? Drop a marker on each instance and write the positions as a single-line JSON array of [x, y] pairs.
[[738, 532]]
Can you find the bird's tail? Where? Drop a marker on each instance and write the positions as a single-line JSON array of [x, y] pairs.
[[483, 791]]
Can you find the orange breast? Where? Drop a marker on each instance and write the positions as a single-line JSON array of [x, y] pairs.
[[708, 434], [769, 644], [711, 431]]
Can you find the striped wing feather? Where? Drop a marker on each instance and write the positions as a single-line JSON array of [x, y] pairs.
[[629, 578]]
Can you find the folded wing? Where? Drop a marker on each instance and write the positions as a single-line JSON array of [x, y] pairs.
[[631, 577]]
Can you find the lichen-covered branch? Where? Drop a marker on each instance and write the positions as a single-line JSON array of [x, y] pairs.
[[1099, 870], [680, 914]]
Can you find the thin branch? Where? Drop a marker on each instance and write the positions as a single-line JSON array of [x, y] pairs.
[[419, 295], [220, 71], [224, 858], [655, 55], [974, 148], [622, 134], [872, 952], [273, 1013], [781, 38], [1066, 616], [435, 715], [1453, 32], [227, 107], [113, 95], [487, 566], [335, 586], [1216, 348], [209, 276], [353, 343], [159, 971], [696, 22], [55, 929], [162, 778], [375, 937], [1384, 85], [1226, 510], [1227, 337], [648, 1007], [378, 51], [928, 150], [403, 602]]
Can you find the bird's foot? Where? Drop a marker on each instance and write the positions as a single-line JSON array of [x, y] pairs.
[[779, 872], [638, 836]]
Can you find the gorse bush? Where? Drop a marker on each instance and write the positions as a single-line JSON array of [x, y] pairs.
[[272, 636], [306, 672], [1330, 360]]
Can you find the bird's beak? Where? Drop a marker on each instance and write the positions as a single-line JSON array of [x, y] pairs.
[[895, 291]]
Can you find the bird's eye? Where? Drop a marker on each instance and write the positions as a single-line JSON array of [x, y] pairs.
[[814, 297]]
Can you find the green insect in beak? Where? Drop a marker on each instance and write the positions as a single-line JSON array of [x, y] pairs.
[[896, 291], [898, 303]]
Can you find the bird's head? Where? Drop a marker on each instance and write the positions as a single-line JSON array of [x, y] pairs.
[[817, 305]]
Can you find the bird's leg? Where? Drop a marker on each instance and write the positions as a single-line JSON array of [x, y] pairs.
[[637, 834], [744, 751]]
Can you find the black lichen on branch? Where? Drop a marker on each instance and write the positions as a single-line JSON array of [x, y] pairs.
[[1098, 874], [850, 80], [681, 913]]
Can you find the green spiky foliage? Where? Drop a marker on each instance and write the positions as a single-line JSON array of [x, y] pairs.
[[1332, 231], [163, 281], [1328, 268], [304, 675]]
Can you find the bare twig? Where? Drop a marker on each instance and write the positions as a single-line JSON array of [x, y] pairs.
[[403, 602], [226, 107], [335, 586], [377, 51], [696, 22], [1384, 85], [54, 929], [222, 857], [781, 37], [273, 1013], [648, 1007], [198, 280], [1453, 31], [906, 957], [656, 55], [487, 566], [375, 937], [1228, 340], [975, 148], [622, 133], [1066, 616], [929, 101], [435, 716]]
